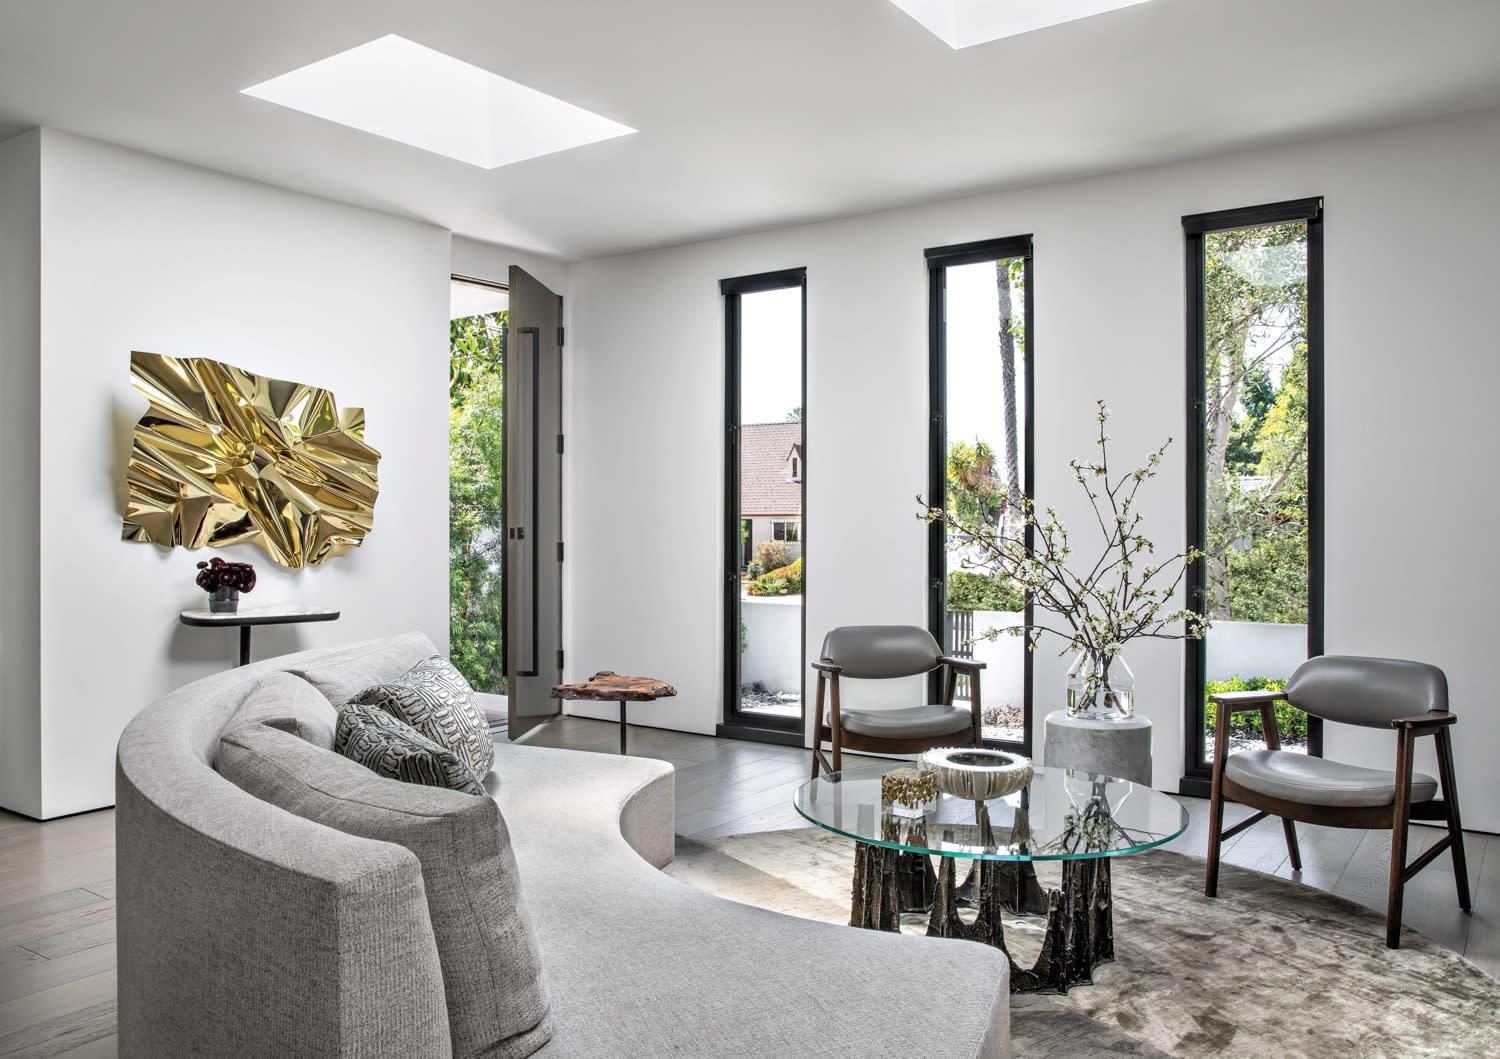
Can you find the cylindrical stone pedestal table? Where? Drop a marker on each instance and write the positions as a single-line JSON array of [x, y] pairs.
[[1111, 748]]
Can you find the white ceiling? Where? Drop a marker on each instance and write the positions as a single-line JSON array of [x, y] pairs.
[[751, 113]]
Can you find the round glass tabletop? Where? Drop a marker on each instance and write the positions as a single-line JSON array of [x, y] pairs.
[[1062, 814]]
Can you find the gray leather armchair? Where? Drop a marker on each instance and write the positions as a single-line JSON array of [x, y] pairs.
[[1410, 697], [882, 652]]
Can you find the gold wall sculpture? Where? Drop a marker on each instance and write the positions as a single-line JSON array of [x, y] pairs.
[[224, 456]]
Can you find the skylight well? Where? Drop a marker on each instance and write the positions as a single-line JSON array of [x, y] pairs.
[[400, 90], [964, 23]]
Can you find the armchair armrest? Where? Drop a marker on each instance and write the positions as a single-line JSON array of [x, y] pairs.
[[1426, 722], [822, 665], [1246, 701], [968, 665]]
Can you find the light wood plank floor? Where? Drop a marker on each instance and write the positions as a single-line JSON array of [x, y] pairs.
[[57, 952]]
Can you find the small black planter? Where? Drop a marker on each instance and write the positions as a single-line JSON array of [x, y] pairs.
[[224, 600]]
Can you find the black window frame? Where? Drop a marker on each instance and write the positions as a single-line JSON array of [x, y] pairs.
[[1197, 772], [737, 723], [939, 259]]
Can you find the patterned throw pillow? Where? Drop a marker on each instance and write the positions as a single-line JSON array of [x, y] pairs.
[[436, 700], [390, 747]]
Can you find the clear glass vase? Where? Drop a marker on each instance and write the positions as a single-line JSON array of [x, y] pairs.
[[1100, 687]]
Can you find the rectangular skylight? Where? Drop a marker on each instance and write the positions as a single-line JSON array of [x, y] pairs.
[[964, 23], [398, 89]]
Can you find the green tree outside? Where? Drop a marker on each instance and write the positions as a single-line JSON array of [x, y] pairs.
[[476, 477], [1255, 288]]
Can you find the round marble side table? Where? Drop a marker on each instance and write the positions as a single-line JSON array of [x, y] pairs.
[[1110, 748]]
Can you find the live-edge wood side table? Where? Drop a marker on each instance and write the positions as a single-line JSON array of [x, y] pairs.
[[605, 686]]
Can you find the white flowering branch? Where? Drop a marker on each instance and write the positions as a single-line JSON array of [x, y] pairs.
[[1124, 596]]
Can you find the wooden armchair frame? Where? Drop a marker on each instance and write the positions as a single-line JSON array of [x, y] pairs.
[[840, 740], [1394, 817]]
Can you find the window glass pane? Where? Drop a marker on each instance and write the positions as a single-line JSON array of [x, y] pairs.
[[985, 453], [1256, 471], [771, 432]]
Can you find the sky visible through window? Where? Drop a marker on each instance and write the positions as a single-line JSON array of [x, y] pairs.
[[770, 354], [975, 404]]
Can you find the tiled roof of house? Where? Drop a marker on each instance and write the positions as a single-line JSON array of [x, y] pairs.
[[765, 488]]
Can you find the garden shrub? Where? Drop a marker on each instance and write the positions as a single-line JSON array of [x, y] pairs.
[[786, 581], [1291, 721], [968, 590], [772, 555]]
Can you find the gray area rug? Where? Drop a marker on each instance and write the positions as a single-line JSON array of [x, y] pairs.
[[1271, 968]]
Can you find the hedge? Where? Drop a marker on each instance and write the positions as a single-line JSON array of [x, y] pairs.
[[970, 591], [1291, 721]]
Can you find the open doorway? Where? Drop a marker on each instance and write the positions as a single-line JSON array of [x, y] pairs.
[[477, 331]]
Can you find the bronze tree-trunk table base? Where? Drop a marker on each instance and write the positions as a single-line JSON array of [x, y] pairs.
[[1080, 918]]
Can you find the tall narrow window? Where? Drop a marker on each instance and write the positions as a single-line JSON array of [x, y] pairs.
[[476, 480], [980, 463], [764, 518], [1255, 369]]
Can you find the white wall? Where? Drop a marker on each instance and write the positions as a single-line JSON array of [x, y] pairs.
[[491, 262], [20, 321], [1411, 229], [141, 253]]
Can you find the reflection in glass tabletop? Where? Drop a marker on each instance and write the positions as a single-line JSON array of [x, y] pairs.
[[1063, 814]]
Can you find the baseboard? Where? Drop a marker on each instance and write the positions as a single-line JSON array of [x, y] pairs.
[[1195, 787], [750, 734]]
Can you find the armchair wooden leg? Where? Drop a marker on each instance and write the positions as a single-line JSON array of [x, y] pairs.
[[1293, 852], [818, 727], [1215, 830], [1400, 816], [1216, 803], [838, 758], [976, 704], [1455, 826]]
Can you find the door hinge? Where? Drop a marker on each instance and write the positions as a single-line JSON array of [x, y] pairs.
[[559, 659], [559, 337], [559, 444], [559, 551]]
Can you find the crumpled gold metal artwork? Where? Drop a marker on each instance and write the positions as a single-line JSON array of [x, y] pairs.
[[224, 456]]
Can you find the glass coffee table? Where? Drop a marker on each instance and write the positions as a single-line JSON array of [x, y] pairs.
[[1078, 818]]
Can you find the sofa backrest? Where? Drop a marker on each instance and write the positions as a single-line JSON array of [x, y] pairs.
[[239, 922]]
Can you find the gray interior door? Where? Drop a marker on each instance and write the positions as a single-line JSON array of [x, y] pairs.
[[533, 503]]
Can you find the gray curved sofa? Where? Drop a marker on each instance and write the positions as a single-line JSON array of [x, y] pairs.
[[245, 930]]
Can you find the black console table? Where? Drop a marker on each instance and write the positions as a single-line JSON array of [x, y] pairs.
[[246, 618]]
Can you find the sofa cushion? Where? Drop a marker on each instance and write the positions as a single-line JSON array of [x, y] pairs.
[[498, 1005], [291, 704], [340, 674], [392, 748], [435, 699]]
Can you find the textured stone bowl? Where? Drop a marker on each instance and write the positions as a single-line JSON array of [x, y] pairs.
[[977, 774]]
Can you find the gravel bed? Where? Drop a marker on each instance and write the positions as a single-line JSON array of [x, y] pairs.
[[780, 703]]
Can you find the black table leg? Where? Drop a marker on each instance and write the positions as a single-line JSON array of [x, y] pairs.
[[622, 727], [244, 645]]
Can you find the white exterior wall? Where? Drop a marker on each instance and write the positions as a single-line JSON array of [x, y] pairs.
[[773, 629], [1253, 649], [1412, 407], [1003, 681], [141, 253]]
